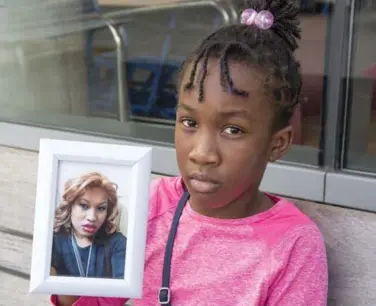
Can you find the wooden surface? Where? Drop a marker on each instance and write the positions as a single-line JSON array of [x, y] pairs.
[[349, 235], [13, 292], [17, 195]]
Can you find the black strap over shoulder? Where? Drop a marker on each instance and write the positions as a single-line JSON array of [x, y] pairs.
[[164, 291]]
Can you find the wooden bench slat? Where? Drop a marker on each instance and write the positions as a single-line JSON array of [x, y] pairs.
[[14, 292], [18, 174], [15, 253]]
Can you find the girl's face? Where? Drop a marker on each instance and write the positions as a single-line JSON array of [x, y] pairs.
[[89, 212], [224, 143]]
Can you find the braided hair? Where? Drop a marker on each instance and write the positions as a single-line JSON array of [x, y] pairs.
[[270, 51]]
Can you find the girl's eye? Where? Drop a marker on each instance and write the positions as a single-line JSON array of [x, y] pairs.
[[233, 130], [84, 206], [189, 123], [102, 208]]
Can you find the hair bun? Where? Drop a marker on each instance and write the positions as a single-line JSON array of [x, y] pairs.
[[286, 22]]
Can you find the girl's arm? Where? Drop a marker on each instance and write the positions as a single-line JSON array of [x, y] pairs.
[[57, 261], [86, 301], [67, 300], [304, 280]]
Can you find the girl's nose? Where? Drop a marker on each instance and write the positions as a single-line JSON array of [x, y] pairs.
[[204, 150]]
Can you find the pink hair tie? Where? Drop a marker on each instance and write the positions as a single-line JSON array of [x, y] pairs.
[[263, 19]]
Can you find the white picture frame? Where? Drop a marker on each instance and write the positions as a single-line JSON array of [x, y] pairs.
[[138, 160]]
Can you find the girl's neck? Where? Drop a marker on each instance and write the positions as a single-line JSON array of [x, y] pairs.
[[245, 206]]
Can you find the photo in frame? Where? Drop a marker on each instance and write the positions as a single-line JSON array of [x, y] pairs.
[[90, 219]]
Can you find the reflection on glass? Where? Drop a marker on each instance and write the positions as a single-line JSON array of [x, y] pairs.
[[69, 78], [311, 53], [361, 123], [156, 45]]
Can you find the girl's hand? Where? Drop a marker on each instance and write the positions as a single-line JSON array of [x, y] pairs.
[[63, 300]]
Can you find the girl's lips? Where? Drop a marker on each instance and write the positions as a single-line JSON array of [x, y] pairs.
[[204, 186], [203, 183]]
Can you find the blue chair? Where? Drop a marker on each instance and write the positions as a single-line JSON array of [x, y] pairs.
[[153, 97], [325, 9], [141, 95]]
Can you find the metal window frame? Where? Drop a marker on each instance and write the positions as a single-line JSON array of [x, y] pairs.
[[345, 187], [337, 57]]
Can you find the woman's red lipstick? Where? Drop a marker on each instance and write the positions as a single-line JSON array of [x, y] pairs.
[[89, 228]]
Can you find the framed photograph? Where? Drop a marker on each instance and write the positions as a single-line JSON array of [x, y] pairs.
[[90, 219]]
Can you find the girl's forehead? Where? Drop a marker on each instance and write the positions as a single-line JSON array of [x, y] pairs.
[[217, 97], [244, 76]]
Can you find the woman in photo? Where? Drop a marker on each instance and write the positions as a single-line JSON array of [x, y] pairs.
[[87, 242]]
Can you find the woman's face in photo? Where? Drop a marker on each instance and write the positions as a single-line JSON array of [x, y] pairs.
[[89, 212]]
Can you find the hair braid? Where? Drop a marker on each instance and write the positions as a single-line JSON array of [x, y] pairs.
[[271, 51]]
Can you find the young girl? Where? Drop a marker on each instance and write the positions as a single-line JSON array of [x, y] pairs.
[[86, 242], [234, 245]]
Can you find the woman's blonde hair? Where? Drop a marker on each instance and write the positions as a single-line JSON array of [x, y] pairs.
[[75, 188]]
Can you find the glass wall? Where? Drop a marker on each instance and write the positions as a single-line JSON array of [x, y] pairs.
[[108, 68], [312, 55], [360, 143], [72, 78]]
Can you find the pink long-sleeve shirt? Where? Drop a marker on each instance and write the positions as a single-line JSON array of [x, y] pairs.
[[276, 257]]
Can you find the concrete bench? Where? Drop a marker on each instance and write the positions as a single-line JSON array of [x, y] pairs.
[[349, 234]]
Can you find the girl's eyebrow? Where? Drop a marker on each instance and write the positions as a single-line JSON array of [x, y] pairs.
[[244, 113], [186, 107], [237, 113]]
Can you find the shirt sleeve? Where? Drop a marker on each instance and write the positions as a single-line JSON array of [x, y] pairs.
[[56, 258], [118, 256], [304, 280], [93, 301]]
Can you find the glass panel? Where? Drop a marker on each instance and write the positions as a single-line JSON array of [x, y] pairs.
[[311, 53], [361, 124], [59, 64], [62, 72]]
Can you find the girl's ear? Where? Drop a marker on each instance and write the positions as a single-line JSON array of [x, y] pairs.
[[281, 143]]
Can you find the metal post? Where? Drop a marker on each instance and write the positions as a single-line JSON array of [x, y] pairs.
[[121, 73]]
